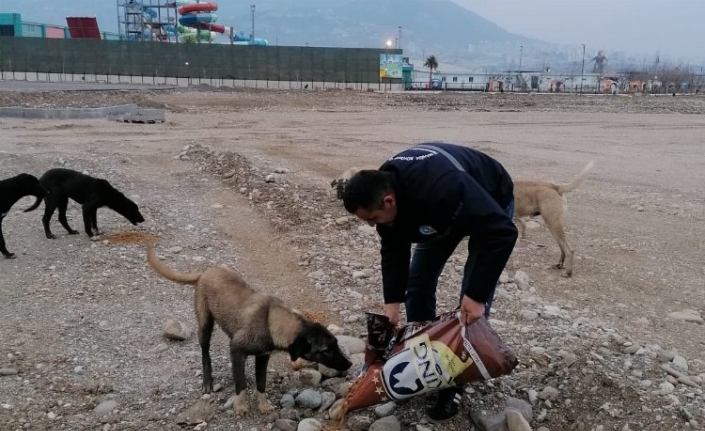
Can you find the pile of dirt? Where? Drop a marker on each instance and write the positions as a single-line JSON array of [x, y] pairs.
[[288, 206], [82, 99]]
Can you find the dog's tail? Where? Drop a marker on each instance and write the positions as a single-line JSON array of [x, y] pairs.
[[35, 206], [565, 188], [168, 273]]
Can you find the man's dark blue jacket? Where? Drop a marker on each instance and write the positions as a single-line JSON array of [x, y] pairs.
[[434, 198]]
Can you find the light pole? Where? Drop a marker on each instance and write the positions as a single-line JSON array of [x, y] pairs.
[[582, 70], [252, 9], [521, 51]]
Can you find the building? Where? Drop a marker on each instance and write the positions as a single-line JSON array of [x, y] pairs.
[[11, 25]]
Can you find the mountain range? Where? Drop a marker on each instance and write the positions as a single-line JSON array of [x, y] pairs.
[[458, 37]]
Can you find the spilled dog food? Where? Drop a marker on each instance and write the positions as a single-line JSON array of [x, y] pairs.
[[132, 237]]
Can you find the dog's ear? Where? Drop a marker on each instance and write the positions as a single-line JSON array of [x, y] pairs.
[[300, 346]]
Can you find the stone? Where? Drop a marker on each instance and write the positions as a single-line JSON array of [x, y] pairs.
[[666, 388], [356, 275], [630, 350], [200, 412], [692, 316], [327, 400], [175, 330], [520, 406], [570, 359], [105, 407], [358, 423], [498, 421], [516, 421], [7, 371], [309, 424], [529, 315], [389, 423], [285, 425], [549, 393], [533, 396], [351, 344], [384, 410], [336, 409], [310, 377], [287, 401], [680, 363], [685, 380], [522, 280], [309, 399]]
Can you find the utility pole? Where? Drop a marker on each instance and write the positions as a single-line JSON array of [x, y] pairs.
[[582, 70], [252, 9], [521, 51]]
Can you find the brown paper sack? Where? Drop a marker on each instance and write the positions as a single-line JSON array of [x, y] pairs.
[[421, 358]]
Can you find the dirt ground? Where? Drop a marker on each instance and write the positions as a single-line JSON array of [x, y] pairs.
[[82, 320]]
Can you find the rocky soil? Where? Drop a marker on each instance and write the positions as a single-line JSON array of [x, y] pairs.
[[208, 99], [91, 339]]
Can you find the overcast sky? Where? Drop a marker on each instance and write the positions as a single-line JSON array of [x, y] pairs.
[[676, 27]]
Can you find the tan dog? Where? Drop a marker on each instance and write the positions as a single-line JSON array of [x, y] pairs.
[[532, 198], [339, 183], [257, 325]]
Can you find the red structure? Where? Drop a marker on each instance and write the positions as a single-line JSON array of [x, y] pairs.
[[83, 27]]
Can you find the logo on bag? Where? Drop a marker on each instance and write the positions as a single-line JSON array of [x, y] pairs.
[[423, 366], [427, 230]]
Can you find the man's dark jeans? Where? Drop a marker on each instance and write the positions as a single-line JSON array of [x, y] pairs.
[[427, 262]]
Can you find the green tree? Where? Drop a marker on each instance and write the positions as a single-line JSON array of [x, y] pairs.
[[432, 64]]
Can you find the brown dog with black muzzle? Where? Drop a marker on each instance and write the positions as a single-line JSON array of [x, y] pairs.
[[532, 198], [257, 325]]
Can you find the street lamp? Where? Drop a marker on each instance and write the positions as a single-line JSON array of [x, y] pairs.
[[582, 70], [521, 51], [252, 10], [389, 43]]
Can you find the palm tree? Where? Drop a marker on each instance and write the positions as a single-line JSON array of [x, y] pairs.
[[432, 64]]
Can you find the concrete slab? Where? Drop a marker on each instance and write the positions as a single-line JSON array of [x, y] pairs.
[[69, 113]]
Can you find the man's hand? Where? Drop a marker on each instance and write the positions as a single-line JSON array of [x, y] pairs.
[[392, 312], [470, 310]]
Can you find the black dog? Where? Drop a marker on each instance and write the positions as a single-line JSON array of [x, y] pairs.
[[92, 193], [12, 190]]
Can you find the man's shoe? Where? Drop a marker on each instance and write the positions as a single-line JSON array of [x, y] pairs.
[[447, 406]]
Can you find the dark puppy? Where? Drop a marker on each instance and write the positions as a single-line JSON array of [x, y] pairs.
[[92, 193], [12, 190], [257, 325]]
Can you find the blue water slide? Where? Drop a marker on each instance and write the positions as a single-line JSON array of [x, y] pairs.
[[191, 20], [151, 12], [240, 38]]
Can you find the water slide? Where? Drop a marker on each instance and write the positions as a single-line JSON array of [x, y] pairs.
[[198, 20], [150, 17]]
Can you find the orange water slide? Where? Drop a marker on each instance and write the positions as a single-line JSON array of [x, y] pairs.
[[197, 7]]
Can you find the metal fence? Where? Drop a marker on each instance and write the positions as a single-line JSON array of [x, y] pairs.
[[214, 62]]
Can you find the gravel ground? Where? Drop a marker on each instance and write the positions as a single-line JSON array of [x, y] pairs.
[[81, 334]]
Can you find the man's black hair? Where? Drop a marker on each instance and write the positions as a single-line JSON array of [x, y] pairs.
[[367, 189]]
